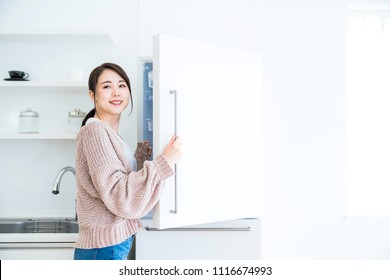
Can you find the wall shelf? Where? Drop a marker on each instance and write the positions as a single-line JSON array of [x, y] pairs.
[[38, 136], [73, 86], [47, 87], [55, 38]]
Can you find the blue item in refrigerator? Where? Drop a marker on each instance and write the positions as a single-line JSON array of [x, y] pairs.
[[147, 121]]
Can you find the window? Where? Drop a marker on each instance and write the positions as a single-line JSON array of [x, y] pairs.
[[368, 111]]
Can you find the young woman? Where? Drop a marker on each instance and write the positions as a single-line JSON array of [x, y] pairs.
[[115, 187]]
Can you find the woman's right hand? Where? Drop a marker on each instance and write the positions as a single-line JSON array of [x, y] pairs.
[[172, 151]]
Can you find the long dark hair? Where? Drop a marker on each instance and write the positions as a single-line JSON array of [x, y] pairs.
[[93, 79]]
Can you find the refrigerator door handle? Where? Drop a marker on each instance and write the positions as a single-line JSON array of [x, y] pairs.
[[174, 92], [201, 229]]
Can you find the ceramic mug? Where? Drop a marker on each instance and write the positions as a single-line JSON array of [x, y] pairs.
[[18, 74]]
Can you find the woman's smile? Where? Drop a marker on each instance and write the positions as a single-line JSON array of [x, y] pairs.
[[116, 102]]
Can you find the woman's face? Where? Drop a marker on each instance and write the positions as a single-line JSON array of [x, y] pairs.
[[112, 94]]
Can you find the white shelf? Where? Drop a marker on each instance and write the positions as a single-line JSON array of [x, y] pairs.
[[74, 86], [38, 136], [56, 38]]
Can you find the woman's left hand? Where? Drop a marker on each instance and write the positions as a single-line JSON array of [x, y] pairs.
[[144, 148]]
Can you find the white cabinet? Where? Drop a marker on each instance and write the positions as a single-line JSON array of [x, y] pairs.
[[37, 246], [232, 240], [36, 251]]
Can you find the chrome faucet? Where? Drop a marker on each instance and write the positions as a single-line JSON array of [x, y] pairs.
[[57, 181]]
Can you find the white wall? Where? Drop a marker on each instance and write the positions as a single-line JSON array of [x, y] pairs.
[[28, 167], [303, 47]]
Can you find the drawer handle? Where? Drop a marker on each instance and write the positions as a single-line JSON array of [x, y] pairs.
[[201, 229]]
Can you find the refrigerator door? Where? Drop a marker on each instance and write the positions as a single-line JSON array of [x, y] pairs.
[[211, 96]]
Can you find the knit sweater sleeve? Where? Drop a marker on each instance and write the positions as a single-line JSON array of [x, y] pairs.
[[126, 194]]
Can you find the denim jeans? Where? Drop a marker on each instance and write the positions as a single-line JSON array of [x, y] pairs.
[[114, 252]]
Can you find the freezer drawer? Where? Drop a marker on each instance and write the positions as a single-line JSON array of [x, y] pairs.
[[239, 239]]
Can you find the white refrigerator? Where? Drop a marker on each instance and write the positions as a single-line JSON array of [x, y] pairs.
[[211, 96]]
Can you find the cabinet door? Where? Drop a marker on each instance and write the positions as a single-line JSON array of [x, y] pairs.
[[211, 97]]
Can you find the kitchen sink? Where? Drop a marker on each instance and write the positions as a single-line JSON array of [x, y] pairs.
[[38, 226]]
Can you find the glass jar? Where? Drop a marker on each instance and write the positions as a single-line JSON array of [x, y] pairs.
[[75, 118], [29, 121]]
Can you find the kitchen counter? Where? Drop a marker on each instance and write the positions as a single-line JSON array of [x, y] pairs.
[[38, 230], [38, 237]]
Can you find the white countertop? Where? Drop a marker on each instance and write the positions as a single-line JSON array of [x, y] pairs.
[[38, 237]]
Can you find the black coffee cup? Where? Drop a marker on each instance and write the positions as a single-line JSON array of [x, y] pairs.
[[18, 74]]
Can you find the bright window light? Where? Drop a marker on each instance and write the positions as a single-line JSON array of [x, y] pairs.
[[368, 113]]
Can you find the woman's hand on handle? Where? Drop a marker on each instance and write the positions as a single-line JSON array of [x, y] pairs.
[[173, 151]]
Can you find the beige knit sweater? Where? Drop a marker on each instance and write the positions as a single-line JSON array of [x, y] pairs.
[[111, 198]]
